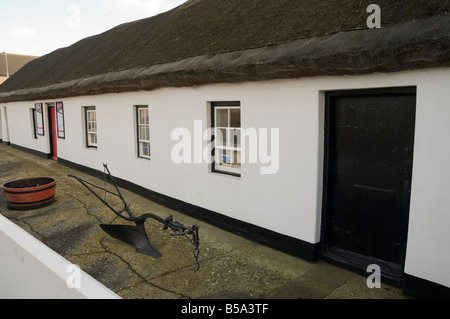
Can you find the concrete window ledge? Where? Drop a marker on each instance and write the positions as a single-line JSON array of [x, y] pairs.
[[31, 270]]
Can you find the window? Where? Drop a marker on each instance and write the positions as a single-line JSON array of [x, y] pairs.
[[91, 127], [226, 123], [143, 132]]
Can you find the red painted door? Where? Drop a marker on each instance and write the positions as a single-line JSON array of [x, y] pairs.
[[53, 133]]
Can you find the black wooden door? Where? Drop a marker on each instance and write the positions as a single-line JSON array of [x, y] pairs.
[[370, 156]]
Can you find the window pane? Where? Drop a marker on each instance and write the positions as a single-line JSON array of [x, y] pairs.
[[145, 149], [221, 137], [91, 116], [147, 133], [235, 138], [144, 133], [92, 139], [143, 116], [224, 158], [222, 118], [230, 159], [235, 118], [236, 159]]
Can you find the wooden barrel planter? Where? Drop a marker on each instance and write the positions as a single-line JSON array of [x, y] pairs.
[[30, 193]]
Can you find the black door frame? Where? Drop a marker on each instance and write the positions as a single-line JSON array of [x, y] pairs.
[[324, 240]]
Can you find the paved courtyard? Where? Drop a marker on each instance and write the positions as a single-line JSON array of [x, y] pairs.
[[231, 267]]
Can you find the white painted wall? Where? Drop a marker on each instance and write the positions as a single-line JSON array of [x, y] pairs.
[[288, 202], [19, 123], [428, 254], [250, 198], [30, 270]]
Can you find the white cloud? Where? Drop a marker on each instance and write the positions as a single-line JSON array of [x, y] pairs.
[[22, 32]]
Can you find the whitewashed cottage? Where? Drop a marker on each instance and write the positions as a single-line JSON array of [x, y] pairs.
[[327, 122]]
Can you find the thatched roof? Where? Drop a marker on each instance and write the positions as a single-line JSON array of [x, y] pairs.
[[211, 41]]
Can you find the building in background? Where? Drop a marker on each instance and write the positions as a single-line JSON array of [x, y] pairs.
[[11, 63]]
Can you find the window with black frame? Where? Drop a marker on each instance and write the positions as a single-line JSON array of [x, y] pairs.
[[91, 127], [226, 124], [143, 132]]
